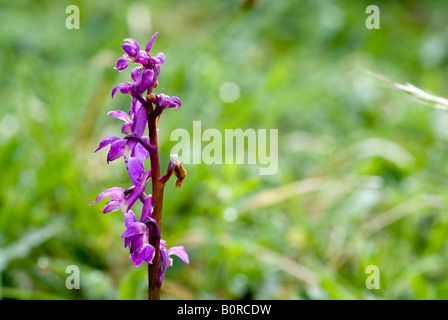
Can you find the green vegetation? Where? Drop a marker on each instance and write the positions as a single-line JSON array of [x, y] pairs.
[[362, 173]]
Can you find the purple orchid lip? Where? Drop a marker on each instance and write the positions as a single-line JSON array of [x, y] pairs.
[[142, 237]]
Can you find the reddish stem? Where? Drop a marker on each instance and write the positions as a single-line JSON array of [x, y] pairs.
[[157, 195]]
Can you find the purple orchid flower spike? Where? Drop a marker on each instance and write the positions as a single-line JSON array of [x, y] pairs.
[[142, 237]]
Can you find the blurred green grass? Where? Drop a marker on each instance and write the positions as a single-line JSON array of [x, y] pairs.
[[361, 177]]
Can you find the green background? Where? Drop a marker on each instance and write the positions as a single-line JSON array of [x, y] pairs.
[[362, 168]]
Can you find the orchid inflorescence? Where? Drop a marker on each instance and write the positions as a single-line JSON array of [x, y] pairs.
[[143, 236]]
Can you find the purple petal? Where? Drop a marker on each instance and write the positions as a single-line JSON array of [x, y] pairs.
[[112, 206], [117, 150], [126, 128], [140, 152], [147, 78], [135, 105], [130, 49], [175, 101], [119, 115], [135, 168], [128, 240], [180, 252], [125, 88], [122, 63], [130, 147], [115, 193], [133, 229], [160, 57], [136, 75], [107, 141], [136, 258], [129, 217], [136, 193], [146, 176], [148, 206], [137, 243], [150, 42], [139, 122], [162, 244], [149, 252], [133, 42], [142, 58], [164, 257], [162, 100], [146, 254], [165, 101]]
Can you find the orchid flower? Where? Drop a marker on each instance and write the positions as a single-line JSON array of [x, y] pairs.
[[142, 237]]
